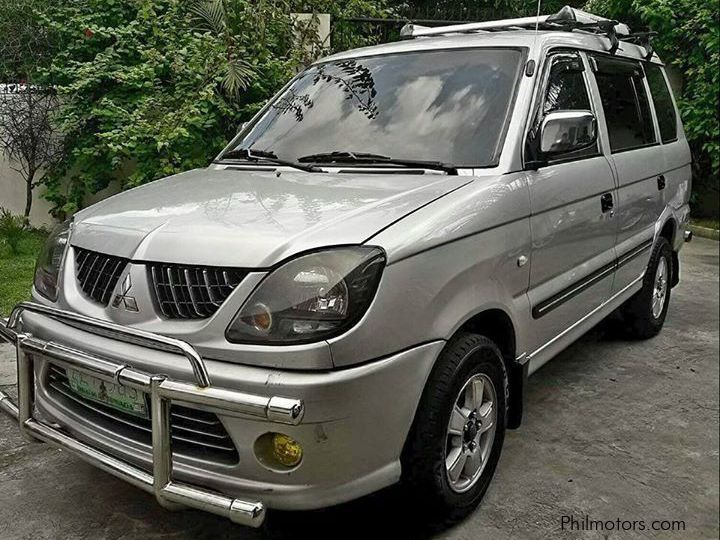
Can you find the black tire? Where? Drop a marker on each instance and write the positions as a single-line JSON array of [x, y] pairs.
[[423, 459], [637, 312]]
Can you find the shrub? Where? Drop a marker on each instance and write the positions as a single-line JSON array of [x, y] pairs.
[[12, 229]]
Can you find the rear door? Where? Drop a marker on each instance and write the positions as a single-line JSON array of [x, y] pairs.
[[675, 150], [637, 157], [573, 229]]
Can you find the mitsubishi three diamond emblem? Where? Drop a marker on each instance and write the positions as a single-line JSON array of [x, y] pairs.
[[124, 298]]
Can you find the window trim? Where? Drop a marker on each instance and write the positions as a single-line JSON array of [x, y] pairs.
[[623, 150], [676, 112], [643, 62], [648, 96], [539, 94], [595, 52]]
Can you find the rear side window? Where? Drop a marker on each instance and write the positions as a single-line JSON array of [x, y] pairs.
[[625, 102], [662, 99]]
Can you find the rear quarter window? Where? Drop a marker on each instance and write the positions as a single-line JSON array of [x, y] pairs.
[[662, 99], [625, 103]]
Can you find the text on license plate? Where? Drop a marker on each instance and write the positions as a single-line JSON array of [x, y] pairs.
[[118, 397]]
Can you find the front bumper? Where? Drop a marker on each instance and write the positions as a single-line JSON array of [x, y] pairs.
[[353, 429], [162, 391]]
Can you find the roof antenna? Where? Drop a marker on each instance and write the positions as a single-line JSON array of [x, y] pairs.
[[537, 18]]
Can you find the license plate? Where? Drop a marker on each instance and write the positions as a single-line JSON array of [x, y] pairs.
[[122, 398]]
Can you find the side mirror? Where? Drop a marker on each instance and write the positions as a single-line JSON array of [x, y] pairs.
[[567, 131], [242, 126]]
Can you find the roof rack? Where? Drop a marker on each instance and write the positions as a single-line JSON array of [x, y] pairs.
[[567, 19], [643, 39]]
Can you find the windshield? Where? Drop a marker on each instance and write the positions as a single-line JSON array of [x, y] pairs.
[[447, 106]]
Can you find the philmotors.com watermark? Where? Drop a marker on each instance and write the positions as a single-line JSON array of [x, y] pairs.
[[586, 523]]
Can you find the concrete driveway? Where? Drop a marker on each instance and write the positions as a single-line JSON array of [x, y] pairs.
[[615, 430]]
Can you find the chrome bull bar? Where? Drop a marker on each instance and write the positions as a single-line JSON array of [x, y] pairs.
[[161, 389]]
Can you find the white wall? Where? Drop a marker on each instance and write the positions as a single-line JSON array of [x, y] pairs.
[[302, 22], [12, 196]]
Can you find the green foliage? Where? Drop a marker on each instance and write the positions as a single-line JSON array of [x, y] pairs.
[[713, 224], [154, 87], [25, 42], [214, 19], [17, 270], [12, 228], [689, 40]]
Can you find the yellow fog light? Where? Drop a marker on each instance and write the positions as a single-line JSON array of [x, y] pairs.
[[286, 450], [278, 452]]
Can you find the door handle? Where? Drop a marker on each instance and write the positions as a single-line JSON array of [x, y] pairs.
[[661, 182], [606, 203]]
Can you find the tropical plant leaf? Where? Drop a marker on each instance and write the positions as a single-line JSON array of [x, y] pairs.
[[211, 15], [237, 75]]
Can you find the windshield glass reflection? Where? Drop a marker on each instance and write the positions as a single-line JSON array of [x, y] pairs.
[[448, 106]]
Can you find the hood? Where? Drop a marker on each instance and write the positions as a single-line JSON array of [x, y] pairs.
[[250, 218]]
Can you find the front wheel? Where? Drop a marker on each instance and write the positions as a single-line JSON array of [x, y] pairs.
[[456, 439], [644, 314]]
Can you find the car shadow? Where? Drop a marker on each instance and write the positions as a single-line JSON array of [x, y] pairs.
[[387, 512]]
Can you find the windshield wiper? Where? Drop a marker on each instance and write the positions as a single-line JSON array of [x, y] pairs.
[[257, 156], [364, 157], [342, 157]]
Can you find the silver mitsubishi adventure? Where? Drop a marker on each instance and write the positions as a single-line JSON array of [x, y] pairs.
[[355, 291]]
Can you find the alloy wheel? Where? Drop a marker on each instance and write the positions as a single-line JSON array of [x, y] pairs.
[[660, 288], [471, 432]]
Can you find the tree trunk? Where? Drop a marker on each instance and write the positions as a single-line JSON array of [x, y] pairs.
[[28, 195]]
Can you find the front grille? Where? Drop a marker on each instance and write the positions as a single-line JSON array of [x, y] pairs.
[[195, 433], [97, 273], [181, 291], [192, 292]]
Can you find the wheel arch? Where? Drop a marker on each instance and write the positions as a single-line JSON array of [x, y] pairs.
[[494, 324], [669, 232], [497, 325]]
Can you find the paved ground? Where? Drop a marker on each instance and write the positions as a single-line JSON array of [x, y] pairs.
[[615, 430]]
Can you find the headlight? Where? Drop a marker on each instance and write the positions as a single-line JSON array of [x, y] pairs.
[[310, 298], [49, 262]]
